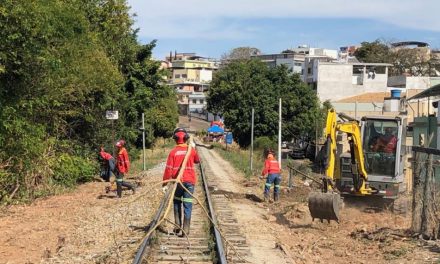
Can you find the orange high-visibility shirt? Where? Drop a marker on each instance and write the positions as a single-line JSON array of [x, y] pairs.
[[271, 166], [122, 161], [174, 161]]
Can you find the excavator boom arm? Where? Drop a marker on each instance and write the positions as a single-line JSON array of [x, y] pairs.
[[352, 129]]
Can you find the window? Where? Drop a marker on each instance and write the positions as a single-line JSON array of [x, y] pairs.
[[201, 101], [380, 141], [298, 64], [194, 101], [309, 70], [358, 69], [184, 76], [376, 69], [177, 76]]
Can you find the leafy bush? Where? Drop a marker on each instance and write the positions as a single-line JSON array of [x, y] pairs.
[[263, 144], [70, 170]]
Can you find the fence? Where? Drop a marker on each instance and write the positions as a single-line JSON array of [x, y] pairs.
[[426, 192]]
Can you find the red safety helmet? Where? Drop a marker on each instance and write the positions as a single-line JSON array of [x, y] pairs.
[[180, 135], [120, 143]]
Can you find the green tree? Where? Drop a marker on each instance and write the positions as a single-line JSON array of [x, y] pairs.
[[417, 62], [374, 52], [147, 93], [62, 65], [246, 84], [241, 53]]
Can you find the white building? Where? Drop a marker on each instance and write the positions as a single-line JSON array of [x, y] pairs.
[[334, 81], [196, 102], [306, 50], [292, 61]]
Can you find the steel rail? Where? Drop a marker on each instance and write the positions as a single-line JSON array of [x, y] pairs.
[[146, 243], [218, 239], [143, 248]]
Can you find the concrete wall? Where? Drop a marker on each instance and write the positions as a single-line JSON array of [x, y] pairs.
[[361, 107], [412, 82], [336, 81]]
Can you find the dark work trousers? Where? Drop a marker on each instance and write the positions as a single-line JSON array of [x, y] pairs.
[[272, 179], [182, 196], [120, 182], [107, 169]]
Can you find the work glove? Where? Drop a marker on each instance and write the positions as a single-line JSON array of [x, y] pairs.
[[165, 188]]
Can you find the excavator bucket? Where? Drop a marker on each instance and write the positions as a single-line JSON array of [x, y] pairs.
[[324, 206]]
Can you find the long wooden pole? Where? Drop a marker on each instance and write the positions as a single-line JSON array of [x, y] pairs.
[[279, 134], [252, 141]]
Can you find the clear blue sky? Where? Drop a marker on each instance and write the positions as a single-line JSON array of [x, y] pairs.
[[212, 28]]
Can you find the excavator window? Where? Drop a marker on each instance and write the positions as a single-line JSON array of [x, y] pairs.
[[379, 144]]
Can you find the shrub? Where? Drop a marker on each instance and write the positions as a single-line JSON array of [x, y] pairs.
[[263, 144]]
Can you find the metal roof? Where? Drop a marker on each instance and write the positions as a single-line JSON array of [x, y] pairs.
[[410, 43], [432, 91]]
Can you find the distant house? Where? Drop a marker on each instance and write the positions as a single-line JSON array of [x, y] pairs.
[[191, 77], [293, 62], [335, 80], [295, 59]]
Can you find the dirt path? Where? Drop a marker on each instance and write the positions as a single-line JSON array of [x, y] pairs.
[[253, 219], [84, 226], [284, 232]]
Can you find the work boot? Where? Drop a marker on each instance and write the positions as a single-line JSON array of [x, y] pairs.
[[276, 197], [186, 225], [266, 197], [119, 189], [177, 220], [134, 188]]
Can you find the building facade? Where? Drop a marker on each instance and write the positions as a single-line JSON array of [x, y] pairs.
[[334, 81], [191, 77]]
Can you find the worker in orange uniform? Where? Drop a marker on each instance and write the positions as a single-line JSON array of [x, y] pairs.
[[181, 196], [122, 167], [390, 141], [273, 172]]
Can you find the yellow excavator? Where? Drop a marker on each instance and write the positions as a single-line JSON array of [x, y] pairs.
[[325, 205]]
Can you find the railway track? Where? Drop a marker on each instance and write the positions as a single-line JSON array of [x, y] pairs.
[[204, 244]]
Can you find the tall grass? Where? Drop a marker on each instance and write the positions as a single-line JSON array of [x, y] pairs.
[[240, 159], [153, 156]]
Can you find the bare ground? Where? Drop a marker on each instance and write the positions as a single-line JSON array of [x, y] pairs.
[[284, 232], [84, 226], [88, 226]]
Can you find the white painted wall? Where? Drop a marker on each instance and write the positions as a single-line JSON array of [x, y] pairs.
[[335, 82], [415, 82], [410, 82], [205, 75]]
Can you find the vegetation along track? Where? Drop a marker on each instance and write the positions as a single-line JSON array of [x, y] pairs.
[[205, 243]]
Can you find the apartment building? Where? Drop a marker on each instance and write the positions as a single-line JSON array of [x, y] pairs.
[[191, 76]]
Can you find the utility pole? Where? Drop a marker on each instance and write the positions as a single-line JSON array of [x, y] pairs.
[[316, 138], [279, 135], [143, 141], [252, 141]]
